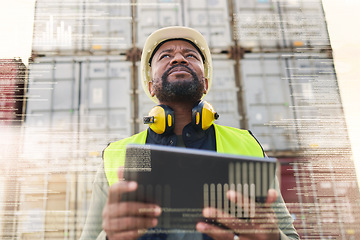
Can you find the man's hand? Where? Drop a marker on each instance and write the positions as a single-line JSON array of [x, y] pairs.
[[262, 226], [127, 220]]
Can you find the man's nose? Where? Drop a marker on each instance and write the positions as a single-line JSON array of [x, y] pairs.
[[179, 59]]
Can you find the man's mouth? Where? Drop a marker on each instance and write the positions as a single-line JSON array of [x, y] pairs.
[[181, 70]]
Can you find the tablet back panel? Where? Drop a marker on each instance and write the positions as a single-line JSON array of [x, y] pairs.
[[183, 181]]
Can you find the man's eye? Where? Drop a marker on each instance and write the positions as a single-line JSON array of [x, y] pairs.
[[164, 56], [191, 56]]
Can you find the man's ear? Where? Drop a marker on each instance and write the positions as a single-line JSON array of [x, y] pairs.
[[206, 85], [150, 89]]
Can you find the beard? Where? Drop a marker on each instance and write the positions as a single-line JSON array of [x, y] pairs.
[[179, 91]]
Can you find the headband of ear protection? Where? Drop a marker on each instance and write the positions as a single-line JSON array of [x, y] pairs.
[[161, 118]]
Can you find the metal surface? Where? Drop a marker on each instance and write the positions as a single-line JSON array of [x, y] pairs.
[[107, 25], [236, 53], [134, 56], [45, 211], [268, 101], [81, 27], [258, 24], [57, 27], [208, 17], [105, 96], [320, 193], [319, 114], [270, 25], [303, 24], [152, 15], [211, 18], [52, 93], [223, 93], [75, 103], [293, 101], [66, 91]]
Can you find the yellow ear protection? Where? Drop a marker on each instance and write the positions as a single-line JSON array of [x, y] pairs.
[[203, 115], [161, 118]]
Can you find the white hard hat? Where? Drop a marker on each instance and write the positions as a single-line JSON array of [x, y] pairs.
[[166, 34]]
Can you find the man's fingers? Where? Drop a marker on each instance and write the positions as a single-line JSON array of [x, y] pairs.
[[124, 219], [248, 204], [123, 209], [234, 196], [264, 224], [129, 223], [272, 196], [215, 213], [245, 222], [120, 173], [117, 189], [223, 218], [214, 231], [127, 235]]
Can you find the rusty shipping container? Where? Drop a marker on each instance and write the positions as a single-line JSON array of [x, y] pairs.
[[320, 195], [12, 84]]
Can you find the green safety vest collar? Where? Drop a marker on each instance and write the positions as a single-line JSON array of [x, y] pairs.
[[228, 140]]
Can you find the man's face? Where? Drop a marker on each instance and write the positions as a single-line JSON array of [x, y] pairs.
[[177, 72]]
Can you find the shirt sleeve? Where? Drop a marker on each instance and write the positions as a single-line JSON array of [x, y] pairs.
[[285, 221], [93, 226]]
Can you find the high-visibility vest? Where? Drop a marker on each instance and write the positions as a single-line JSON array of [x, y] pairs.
[[228, 140]]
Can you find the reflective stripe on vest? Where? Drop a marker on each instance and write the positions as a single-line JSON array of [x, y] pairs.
[[228, 140]]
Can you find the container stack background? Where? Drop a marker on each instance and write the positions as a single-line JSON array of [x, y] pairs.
[[273, 74]]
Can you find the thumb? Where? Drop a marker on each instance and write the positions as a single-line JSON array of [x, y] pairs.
[[120, 173], [271, 196]]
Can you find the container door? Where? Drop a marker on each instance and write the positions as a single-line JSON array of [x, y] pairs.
[[107, 26], [304, 24], [153, 15], [52, 99], [211, 18], [258, 24], [268, 101], [58, 27], [317, 103], [105, 96]]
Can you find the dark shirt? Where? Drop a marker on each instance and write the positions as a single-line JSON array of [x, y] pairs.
[[191, 137]]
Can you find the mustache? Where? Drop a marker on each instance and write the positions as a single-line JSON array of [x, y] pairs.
[[166, 73]]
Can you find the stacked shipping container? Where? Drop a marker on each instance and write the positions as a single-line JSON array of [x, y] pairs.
[[273, 73], [93, 91], [77, 28]]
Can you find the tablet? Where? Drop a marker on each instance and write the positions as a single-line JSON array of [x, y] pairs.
[[183, 181]]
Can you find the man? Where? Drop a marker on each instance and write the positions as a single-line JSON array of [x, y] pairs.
[[177, 72]]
